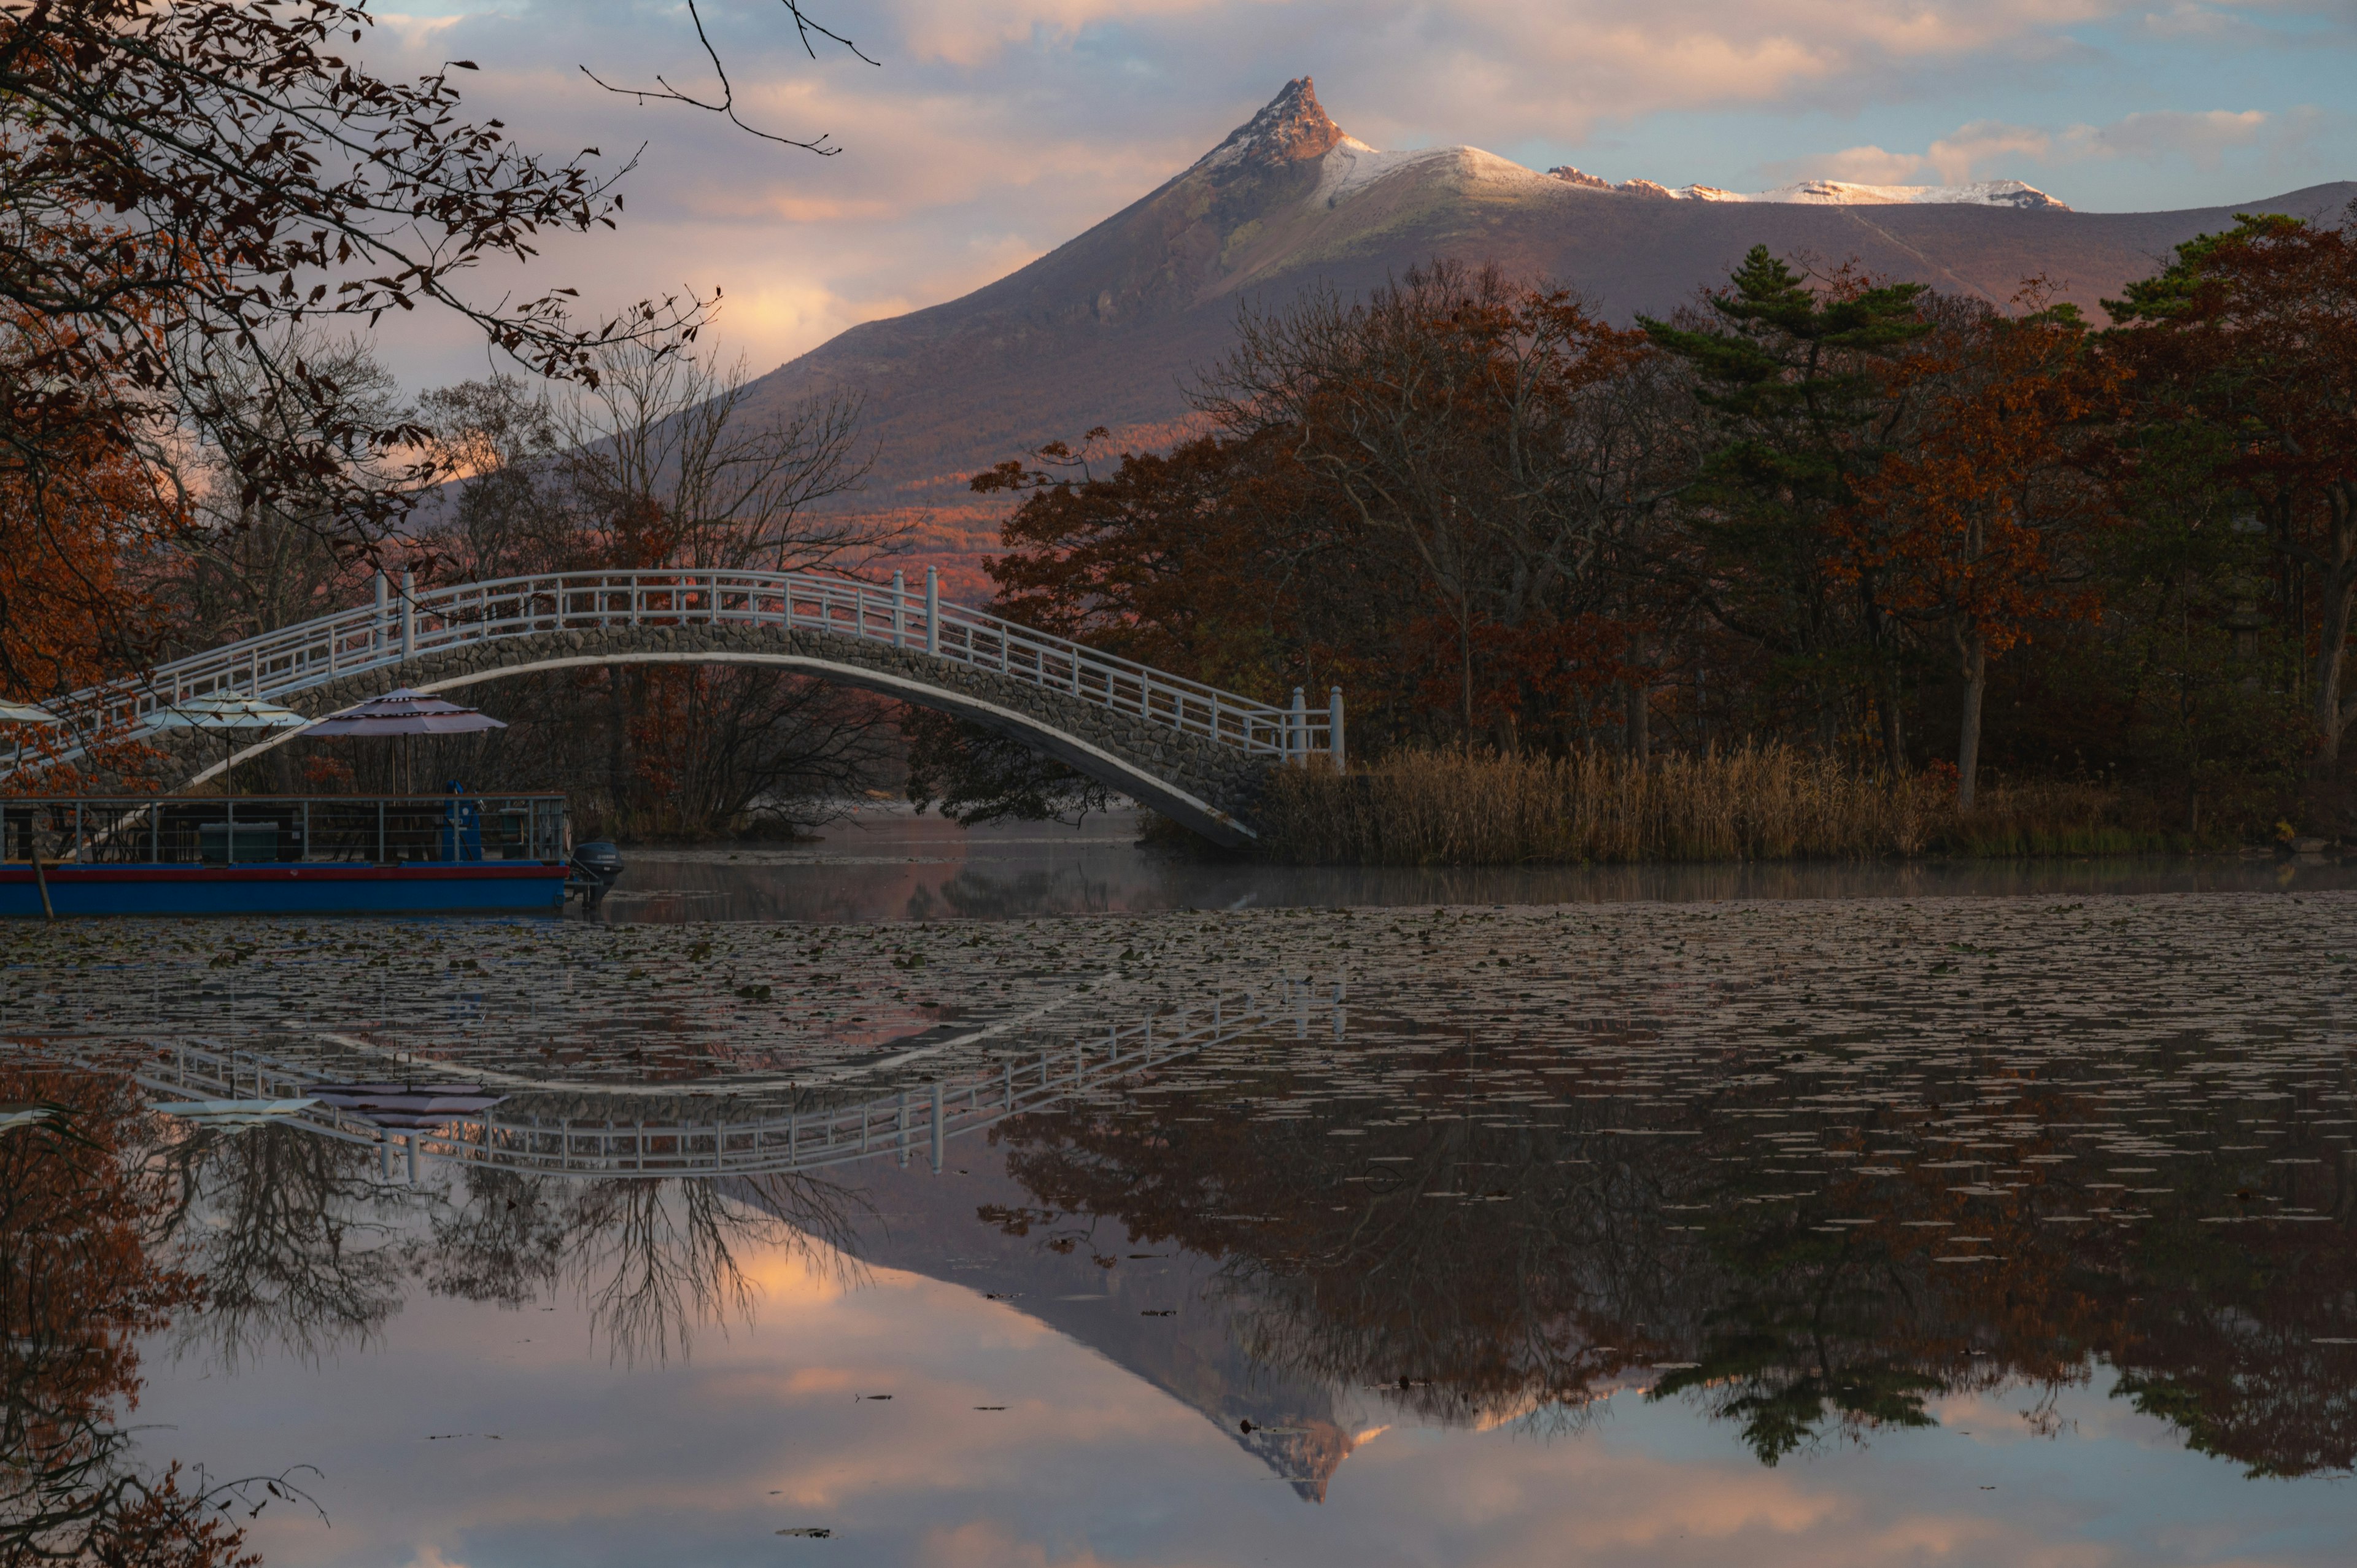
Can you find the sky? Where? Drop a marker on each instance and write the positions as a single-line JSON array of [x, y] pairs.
[[988, 132]]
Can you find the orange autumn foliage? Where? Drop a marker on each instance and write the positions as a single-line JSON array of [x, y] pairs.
[[1973, 527], [1969, 524], [79, 501]]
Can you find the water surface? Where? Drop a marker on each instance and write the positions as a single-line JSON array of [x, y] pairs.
[[1960, 1228], [888, 864]]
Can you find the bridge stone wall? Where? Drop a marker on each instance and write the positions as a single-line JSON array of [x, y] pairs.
[[1211, 787]]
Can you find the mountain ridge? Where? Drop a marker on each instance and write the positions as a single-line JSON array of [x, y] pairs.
[[1109, 327]]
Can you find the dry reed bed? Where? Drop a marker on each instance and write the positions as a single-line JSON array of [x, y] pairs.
[[1761, 802]]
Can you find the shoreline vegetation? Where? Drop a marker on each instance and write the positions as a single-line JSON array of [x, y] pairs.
[[1765, 802]]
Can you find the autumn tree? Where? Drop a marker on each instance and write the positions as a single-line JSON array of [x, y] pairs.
[[2250, 337], [1493, 434], [667, 465], [1973, 523], [251, 558], [1203, 560], [70, 606], [192, 191]]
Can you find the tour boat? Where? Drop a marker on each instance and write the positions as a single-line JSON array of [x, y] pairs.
[[315, 855]]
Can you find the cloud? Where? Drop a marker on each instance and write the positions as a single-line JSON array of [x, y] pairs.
[[2202, 139], [1976, 150], [1987, 149]]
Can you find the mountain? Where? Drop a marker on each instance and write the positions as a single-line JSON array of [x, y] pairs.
[[1165, 1315], [1109, 327]]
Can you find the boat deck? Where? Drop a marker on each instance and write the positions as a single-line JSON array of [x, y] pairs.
[[283, 855]]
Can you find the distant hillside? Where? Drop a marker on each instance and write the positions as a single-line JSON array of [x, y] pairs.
[[1109, 327]]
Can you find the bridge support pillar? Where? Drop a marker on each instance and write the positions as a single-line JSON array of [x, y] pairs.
[[932, 609], [408, 615], [1334, 726]]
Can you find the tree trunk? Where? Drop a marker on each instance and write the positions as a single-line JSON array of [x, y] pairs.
[[1639, 720], [1974, 650], [2336, 597], [1465, 661], [1894, 726], [618, 731]]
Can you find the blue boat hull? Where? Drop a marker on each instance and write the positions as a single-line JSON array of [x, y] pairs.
[[288, 888]]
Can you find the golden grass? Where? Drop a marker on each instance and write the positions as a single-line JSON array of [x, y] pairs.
[[1761, 802]]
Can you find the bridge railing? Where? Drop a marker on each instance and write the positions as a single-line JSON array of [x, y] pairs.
[[403, 623]]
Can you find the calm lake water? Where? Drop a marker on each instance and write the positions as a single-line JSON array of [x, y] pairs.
[[1086, 1207], [887, 864]]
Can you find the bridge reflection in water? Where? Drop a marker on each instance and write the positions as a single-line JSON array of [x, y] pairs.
[[923, 1114]]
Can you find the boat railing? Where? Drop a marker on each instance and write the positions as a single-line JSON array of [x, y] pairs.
[[248, 830]]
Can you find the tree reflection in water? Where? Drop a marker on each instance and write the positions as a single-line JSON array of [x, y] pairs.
[[79, 1282], [117, 1224], [657, 1260], [302, 1248], [1479, 1269], [298, 1244]]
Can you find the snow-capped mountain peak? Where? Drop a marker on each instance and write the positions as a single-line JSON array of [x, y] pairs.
[[1293, 129], [1834, 192]]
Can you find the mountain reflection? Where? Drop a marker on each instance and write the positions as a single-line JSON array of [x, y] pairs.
[[1477, 1266]]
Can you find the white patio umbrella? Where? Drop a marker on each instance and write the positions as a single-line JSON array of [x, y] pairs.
[[233, 1115], [16, 712], [405, 713], [227, 716]]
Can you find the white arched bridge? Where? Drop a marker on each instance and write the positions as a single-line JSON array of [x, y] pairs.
[[1193, 751]]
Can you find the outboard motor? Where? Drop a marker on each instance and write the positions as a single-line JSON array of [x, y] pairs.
[[595, 868]]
